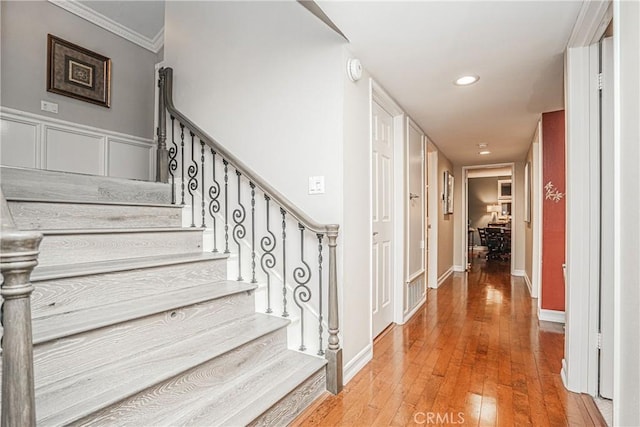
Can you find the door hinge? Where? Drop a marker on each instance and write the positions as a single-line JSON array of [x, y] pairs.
[[599, 340], [599, 81]]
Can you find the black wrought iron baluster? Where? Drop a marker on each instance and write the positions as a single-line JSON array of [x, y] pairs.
[[182, 161], [193, 180], [173, 162], [239, 231], [284, 263], [302, 293], [253, 232], [204, 224], [226, 206], [268, 259], [320, 329], [214, 203]]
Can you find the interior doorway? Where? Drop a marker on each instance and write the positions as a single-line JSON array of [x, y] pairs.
[[489, 206]]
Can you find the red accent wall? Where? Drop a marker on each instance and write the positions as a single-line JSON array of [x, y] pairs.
[[553, 210]]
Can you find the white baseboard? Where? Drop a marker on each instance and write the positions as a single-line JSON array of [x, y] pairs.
[[459, 269], [551, 315], [444, 276], [357, 363], [529, 285], [519, 273], [410, 314], [563, 373]]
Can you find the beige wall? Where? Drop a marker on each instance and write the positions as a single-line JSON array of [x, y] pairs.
[[25, 25], [446, 222]]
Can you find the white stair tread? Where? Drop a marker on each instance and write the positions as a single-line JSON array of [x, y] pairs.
[[73, 398], [119, 230], [240, 401], [61, 325], [99, 267]]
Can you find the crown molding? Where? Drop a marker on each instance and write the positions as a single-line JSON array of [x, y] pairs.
[[84, 12], [591, 23]]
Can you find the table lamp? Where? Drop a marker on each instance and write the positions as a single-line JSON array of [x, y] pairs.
[[493, 209]]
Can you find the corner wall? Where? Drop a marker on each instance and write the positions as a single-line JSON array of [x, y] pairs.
[[446, 222]]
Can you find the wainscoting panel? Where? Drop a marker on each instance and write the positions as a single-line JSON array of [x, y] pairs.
[[19, 143], [73, 151], [41, 142]]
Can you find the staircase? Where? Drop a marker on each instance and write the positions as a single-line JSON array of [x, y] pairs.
[[134, 324]]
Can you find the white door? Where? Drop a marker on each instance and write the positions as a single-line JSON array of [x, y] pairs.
[[606, 221], [415, 203], [382, 250]]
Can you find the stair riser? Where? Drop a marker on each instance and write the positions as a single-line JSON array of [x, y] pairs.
[[162, 401], [73, 293], [77, 248], [51, 185], [86, 351], [287, 409], [71, 216]]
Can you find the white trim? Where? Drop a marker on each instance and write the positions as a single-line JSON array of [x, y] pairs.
[[519, 273], [529, 285], [551, 315], [458, 269], [536, 223], [445, 276], [410, 314], [432, 206], [592, 21], [359, 361], [85, 12]]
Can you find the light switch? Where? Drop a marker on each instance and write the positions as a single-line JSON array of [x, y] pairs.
[[316, 185], [51, 107]]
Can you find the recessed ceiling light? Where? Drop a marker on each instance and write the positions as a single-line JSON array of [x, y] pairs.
[[467, 80], [484, 152], [483, 145]]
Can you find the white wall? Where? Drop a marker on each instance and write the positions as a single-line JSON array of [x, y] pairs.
[[25, 25], [626, 399], [266, 80]]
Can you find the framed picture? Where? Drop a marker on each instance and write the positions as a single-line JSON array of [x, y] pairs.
[[504, 189], [78, 72], [527, 192], [447, 194]]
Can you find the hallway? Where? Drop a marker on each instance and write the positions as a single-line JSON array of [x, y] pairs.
[[474, 355]]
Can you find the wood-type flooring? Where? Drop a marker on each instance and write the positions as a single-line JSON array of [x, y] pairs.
[[474, 355]]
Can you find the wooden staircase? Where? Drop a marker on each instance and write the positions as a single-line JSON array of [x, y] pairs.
[[133, 324]]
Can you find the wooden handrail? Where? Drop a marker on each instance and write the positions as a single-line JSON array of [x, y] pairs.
[[18, 257]]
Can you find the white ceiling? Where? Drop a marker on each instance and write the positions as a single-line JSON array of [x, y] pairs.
[[144, 17], [415, 50]]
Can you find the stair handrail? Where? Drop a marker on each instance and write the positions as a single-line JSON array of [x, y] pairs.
[[18, 256], [333, 353], [166, 82]]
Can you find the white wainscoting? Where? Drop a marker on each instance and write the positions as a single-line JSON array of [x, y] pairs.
[[40, 142]]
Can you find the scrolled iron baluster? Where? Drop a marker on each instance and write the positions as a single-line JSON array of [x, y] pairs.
[[182, 161], [253, 232], [173, 161], [320, 328], [268, 259], [214, 204], [302, 293], [204, 224], [285, 313], [226, 206], [193, 180], [239, 231]]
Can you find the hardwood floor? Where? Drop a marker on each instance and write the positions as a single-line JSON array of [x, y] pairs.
[[475, 354]]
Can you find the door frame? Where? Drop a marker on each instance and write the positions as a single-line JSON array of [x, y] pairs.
[[432, 206], [465, 210], [380, 96]]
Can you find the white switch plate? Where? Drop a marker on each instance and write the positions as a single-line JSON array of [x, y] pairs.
[[316, 185], [51, 107]]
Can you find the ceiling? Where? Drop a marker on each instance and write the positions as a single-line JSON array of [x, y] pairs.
[[144, 17], [415, 50]]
